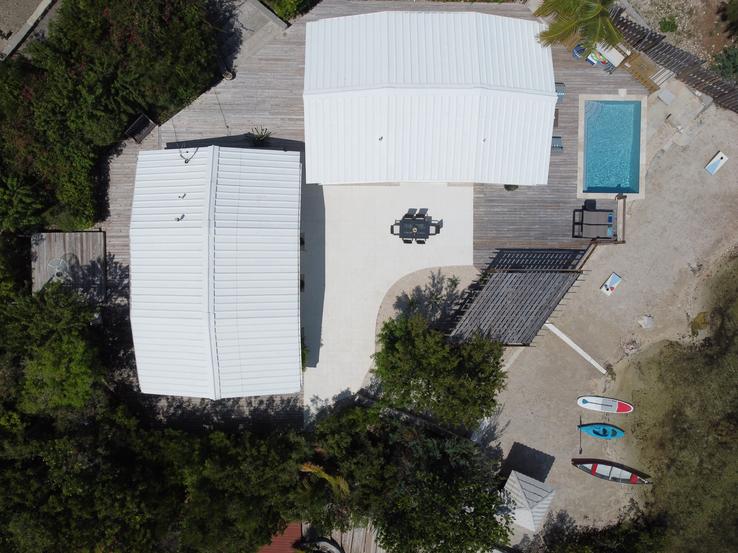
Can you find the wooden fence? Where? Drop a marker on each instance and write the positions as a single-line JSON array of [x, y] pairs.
[[687, 67]]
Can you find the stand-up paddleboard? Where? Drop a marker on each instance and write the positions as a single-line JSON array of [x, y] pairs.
[[604, 404], [612, 471], [602, 430]]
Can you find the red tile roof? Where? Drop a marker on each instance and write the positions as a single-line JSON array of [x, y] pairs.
[[283, 543]]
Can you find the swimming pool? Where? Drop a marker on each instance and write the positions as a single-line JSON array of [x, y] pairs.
[[612, 147]]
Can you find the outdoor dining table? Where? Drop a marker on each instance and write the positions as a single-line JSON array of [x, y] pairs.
[[417, 229]]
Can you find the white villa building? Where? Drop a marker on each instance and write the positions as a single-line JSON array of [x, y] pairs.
[[396, 97], [215, 306]]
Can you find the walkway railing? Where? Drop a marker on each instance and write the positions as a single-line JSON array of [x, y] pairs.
[[687, 67]]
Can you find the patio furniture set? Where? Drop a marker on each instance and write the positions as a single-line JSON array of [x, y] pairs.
[[416, 226], [591, 222]]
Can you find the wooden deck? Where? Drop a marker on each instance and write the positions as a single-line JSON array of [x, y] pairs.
[[78, 257], [267, 91], [541, 216]]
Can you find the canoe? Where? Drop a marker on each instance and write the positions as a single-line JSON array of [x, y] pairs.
[[602, 430], [604, 404], [612, 471]]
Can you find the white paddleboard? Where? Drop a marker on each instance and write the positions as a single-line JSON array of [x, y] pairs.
[[604, 404]]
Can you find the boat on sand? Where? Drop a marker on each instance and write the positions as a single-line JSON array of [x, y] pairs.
[[612, 471]]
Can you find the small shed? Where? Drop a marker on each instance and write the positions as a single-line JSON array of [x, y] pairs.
[[76, 259], [531, 498]]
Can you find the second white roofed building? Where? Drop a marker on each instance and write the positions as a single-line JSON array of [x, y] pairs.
[[427, 97]]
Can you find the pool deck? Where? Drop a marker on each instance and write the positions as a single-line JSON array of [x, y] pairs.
[[643, 99], [540, 216]]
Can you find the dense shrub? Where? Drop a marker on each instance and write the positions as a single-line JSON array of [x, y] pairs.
[[421, 370], [424, 492], [289, 9], [101, 64], [726, 63]]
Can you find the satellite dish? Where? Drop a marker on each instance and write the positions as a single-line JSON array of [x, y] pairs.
[[62, 269]]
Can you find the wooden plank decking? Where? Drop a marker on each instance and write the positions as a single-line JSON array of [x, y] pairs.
[[78, 256], [267, 91], [541, 216]]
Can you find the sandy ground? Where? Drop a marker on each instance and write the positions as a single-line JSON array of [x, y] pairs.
[[674, 239], [699, 29], [13, 14]]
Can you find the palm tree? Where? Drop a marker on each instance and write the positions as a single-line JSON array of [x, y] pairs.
[[338, 485], [589, 19]]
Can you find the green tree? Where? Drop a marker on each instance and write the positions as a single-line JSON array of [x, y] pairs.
[[20, 205], [239, 490], [58, 376], [635, 532], [102, 63], [423, 492], [420, 370], [589, 20]]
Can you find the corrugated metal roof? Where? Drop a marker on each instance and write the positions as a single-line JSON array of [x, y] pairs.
[[427, 97], [215, 272]]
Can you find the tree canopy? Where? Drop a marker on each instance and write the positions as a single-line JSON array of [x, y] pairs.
[[423, 371], [423, 491], [589, 20], [71, 98]]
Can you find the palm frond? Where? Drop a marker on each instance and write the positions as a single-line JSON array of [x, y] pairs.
[[556, 7], [558, 31]]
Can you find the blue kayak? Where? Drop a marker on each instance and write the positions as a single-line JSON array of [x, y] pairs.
[[602, 430]]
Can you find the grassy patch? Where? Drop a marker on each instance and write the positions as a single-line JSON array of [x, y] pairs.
[[686, 423], [668, 24]]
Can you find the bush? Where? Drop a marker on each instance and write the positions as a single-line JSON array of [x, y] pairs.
[[423, 492], [289, 9], [101, 64], [421, 370], [20, 207], [726, 63], [668, 25]]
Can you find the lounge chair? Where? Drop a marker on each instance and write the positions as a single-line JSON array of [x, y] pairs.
[[560, 92], [422, 213], [433, 229], [410, 213], [420, 241], [557, 144], [407, 240], [395, 229]]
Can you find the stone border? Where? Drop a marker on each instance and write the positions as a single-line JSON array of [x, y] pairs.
[[20, 35], [580, 146]]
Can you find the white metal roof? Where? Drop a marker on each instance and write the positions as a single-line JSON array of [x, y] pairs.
[[532, 500], [215, 306], [427, 97]]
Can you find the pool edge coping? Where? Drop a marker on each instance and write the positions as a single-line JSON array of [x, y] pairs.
[[642, 156]]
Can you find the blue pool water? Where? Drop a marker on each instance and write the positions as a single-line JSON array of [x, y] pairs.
[[612, 146]]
